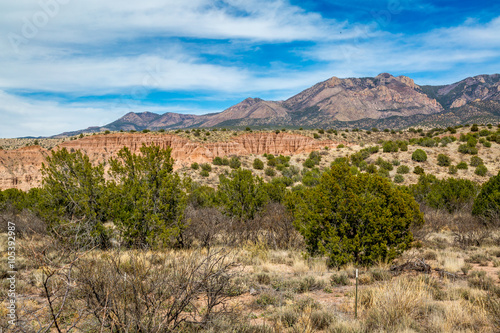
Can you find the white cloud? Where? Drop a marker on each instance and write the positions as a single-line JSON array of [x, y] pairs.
[[23, 116], [458, 49], [95, 20]]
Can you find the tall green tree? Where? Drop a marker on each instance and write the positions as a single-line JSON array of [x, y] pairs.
[[355, 218], [149, 198], [242, 195], [73, 199]]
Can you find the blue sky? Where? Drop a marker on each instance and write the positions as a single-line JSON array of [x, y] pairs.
[[67, 64]]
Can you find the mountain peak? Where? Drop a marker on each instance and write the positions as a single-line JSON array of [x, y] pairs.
[[384, 76]]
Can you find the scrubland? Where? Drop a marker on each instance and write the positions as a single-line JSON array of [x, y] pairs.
[[234, 258]]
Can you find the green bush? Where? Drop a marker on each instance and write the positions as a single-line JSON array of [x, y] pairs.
[[344, 218], [234, 162], [399, 179], [270, 172], [204, 173], [462, 166], [419, 155], [390, 146], [484, 132], [149, 199], [450, 194], [206, 167], [371, 168], [452, 170], [474, 128], [418, 170], [487, 202], [339, 279], [313, 159], [195, 166], [476, 161], [258, 164], [443, 160], [217, 161], [403, 169], [242, 195], [481, 170]]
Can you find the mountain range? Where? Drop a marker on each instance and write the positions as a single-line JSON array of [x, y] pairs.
[[382, 101]]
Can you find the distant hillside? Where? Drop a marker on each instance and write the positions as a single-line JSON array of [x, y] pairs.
[[383, 101]]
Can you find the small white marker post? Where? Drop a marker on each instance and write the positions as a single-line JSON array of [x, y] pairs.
[[356, 305]]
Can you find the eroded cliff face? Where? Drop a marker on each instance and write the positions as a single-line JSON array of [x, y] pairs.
[[20, 168]]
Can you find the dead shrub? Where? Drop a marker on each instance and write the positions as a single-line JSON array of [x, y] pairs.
[[125, 291]]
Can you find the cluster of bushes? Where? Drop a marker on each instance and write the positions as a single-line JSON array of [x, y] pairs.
[[313, 160], [153, 207], [451, 194], [394, 146], [234, 162]]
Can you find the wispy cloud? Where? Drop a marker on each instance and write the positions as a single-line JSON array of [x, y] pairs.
[[93, 51]]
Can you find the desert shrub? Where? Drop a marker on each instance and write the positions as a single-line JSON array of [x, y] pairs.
[[474, 128], [339, 279], [234, 162], [341, 233], [392, 306], [418, 170], [195, 166], [153, 297], [217, 161], [476, 161], [380, 274], [384, 164], [371, 168], [487, 202], [395, 162], [419, 156], [204, 173], [481, 170], [206, 167], [462, 166], [403, 169], [403, 145], [427, 142], [399, 179], [311, 178], [450, 194], [270, 172], [291, 171], [443, 160], [258, 164], [321, 319], [383, 173], [452, 170], [225, 161], [390, 146], [313, 159]]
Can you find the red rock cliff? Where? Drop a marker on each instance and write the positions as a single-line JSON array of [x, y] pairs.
[[21, 168]]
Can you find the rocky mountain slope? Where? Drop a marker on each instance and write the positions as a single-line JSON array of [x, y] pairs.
[[472, 89], [382, 101]]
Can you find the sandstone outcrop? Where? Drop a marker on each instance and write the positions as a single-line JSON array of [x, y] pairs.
[[21, 168]]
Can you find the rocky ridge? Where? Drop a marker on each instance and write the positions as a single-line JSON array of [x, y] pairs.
[[20, 168], [329, 103]]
